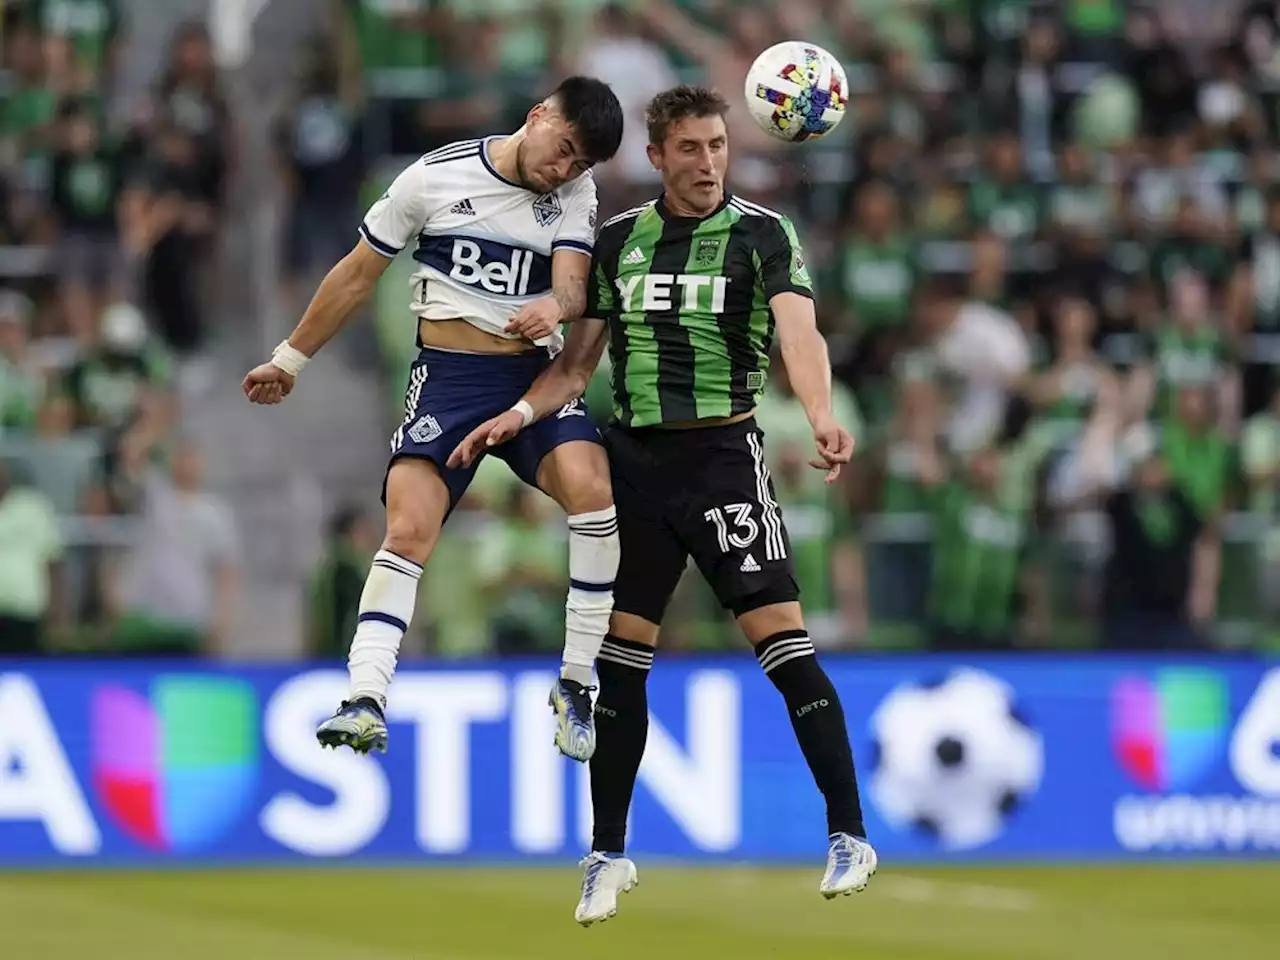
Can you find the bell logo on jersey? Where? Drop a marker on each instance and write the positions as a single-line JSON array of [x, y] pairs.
[[510, 279], [658, 291]]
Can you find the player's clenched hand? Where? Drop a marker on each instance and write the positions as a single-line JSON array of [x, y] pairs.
[[835, 447], [492, 432], [267, 383], [537, 319]]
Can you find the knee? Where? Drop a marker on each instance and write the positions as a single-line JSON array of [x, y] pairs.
[[587, 493], [410, 534], [627, 626], [579, 478]]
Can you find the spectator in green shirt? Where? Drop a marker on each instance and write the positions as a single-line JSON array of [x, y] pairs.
[[21, 382], [82, 39], [394, 51], [30, 545], [27, 112], [521, 566], [107, 384], [876, 263], [980, 541], [337, 583], [1188, 350], [1002, 198], [1201, 459]]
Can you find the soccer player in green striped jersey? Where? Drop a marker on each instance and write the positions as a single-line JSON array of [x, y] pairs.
[[689, 291]]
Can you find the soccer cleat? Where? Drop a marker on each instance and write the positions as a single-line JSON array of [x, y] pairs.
[[850, 863], [606, 877], [359, 724], [575, 725]]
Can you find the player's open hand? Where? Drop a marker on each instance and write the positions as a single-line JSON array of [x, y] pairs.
[[492, 432], [267, 383], [835, 447], [537, 319]]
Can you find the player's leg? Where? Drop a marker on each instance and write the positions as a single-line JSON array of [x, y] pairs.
[[736, 535], [651, 565], [563, 456], [417, 503], [419, 493], [576, 475]]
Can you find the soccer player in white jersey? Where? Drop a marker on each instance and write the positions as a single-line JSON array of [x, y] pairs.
[[504, 230]]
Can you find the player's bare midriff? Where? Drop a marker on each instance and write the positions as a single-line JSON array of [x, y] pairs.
[[462, 336], [706, 422]]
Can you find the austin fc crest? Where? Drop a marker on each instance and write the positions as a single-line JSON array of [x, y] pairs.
[[546, 209], [707, 250]]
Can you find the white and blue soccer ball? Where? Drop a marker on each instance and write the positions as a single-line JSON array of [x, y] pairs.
[[955, 759], [797, 91]]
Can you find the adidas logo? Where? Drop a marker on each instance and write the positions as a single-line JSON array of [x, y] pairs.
[[749, 565], [463, 207], [635, 256]]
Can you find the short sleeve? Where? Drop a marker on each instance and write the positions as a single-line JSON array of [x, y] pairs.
[[398, 214], [578, 226], [782, 266], [601, 303]]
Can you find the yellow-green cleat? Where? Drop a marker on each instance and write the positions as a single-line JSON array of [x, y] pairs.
[[358, 724]]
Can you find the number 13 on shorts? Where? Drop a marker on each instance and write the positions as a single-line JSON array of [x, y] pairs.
[[735, 527]]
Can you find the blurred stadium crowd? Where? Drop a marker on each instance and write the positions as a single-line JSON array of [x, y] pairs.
[[1046, 242]]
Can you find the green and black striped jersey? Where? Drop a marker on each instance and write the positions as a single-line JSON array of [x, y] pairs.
[[687, 304]]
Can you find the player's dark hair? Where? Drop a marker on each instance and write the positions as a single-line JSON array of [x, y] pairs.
[[592, 108], [679, 103]]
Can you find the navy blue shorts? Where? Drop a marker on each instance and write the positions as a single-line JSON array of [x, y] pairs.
[[450, 394]]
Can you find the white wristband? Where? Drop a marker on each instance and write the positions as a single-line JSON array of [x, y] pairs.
[[289, 359], [522, 407]]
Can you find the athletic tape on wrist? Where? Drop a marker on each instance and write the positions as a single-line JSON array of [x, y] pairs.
[[525, 410], [289, 359]]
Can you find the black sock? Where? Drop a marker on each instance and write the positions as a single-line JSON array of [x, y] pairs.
[[789, 660], [622, 726]]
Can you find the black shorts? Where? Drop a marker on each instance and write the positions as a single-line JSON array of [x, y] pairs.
[[705, 493]]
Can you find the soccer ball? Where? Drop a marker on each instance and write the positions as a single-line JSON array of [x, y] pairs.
[[796, 91], [953, 759]]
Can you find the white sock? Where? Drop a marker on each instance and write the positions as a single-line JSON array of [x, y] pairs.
[[593, 565], [386, 608]]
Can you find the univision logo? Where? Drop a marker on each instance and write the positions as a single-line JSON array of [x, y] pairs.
[[177, 769], [1168, 729]]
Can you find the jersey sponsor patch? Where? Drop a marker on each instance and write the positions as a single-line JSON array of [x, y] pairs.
[[490, 266], [670, 291], [546, 209], [799, 269]]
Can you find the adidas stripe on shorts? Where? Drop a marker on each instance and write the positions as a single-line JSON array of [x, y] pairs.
[[703, 493]]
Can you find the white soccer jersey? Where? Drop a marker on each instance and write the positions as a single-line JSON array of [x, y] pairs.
[[484, 243]]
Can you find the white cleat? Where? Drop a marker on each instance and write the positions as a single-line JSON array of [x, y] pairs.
[[606, 877], [851, 862]]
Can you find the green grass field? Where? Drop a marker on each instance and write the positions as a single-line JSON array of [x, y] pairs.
[[1099, 913]]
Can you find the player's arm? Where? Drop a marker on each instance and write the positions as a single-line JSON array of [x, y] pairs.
[[785, 280], [564, 380], [570, 267], [386, 228], [538, 320]]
